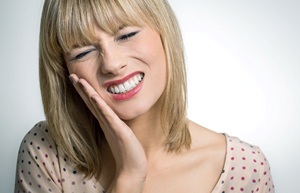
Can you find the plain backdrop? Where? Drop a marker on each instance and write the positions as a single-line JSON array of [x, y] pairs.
[[243, 65]]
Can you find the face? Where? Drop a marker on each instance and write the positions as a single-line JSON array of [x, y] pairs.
[[127, 69]]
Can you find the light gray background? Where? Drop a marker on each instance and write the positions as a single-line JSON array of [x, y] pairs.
[[243, 68]]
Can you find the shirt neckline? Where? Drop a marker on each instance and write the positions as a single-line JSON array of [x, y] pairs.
[[219, 183]]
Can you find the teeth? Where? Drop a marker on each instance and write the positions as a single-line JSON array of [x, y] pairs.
[[111, 89], [136, 81], [121, 88], [139, 77], [127, 85], [116, 90], [132, 84]]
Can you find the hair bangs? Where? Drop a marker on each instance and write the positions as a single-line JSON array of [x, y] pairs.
[[78, 18], [75, 25], [111, 16]]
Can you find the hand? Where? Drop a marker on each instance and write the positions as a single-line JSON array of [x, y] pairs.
[[131, 162]]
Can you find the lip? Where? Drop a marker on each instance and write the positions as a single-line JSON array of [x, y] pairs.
[[127, 95], [116, 82]]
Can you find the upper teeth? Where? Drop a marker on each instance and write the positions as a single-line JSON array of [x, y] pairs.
[[127, 85]]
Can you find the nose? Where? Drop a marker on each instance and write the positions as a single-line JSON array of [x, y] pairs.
[[113, 60]]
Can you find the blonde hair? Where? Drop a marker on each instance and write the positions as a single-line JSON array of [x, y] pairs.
[[65, 22]]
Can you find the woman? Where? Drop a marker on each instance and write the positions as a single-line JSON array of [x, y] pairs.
[[113, 85]]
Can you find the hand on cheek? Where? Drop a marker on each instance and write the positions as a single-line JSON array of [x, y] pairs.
[[131, 162], [94, 102]]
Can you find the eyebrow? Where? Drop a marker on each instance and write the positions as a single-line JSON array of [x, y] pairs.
[[122, 27]]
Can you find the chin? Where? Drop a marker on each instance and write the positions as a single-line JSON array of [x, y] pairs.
[[127, 116], [131, 113]]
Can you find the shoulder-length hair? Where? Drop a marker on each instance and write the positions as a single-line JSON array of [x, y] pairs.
[[65, 22]]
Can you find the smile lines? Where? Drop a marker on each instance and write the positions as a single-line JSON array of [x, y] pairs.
[[127, 85]]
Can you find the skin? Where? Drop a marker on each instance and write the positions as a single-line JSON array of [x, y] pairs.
[[135, 159]]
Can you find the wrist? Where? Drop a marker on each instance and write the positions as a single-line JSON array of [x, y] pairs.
[[125, 183]]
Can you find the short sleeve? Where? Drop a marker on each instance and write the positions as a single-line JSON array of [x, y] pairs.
[[37, 165]]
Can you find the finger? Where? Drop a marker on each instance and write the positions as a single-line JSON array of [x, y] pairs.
[[111, 117], [100, 109], [75, 81], [114, 123], [107, 116], [109, 121], [88, 91], [84, 92], [119, 136]]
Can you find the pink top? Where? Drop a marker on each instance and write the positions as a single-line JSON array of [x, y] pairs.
[[42, 167]]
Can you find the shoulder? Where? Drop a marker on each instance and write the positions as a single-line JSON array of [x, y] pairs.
[[241, 166], [38, 134], [37, 164], [203, 138], [242, 153], [246, 168], [38, 141], [208, 147], [43, 167]]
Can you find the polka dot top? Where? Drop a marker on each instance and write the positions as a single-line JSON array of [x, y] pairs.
[[245, 170], [42, 167]]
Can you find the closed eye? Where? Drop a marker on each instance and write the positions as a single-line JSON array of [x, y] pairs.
[[127, 36], [82, 54]]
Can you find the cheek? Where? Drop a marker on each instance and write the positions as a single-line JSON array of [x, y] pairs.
[[86, 65], [152, 53], [86, 69], [152, 48], [158, 65]]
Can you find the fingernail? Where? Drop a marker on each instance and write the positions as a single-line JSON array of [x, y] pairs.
[[71, 79]]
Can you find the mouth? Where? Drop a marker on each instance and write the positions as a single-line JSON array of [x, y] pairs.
[[127, 85]]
